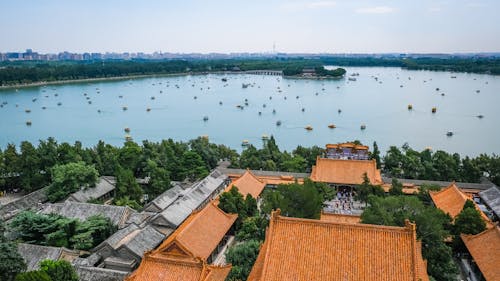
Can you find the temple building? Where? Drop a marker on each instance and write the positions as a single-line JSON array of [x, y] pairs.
[[305, 249], [344, 166], [347, 151], [451, 201], [248, 183], [484, 249], [190, 252]]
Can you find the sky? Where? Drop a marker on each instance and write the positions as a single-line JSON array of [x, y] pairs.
[[225, 26]]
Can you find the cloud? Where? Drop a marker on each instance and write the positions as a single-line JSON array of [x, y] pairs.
[[475, 5], [321, 4], [297, 6], [376, 10]]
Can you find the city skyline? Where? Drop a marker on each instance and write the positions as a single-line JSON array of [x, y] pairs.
[[251, 27]]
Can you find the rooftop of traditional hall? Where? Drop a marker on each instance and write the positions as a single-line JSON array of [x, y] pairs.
[[168, 268], [345, 171], [200, 233], [248, 183], [307, 249], [485, 248]]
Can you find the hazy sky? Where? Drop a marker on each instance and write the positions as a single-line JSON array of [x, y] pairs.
[[338, 26]]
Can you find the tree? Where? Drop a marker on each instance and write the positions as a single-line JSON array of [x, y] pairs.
[[129, 156], [11, 262], [396, 187], [366, 189], [127, 186], [31, 177], [423, 192], [12, 166], [242, 257], [376, 154], [233, 202], [193, 167], [253, 228], [92, 232], [250, 206], [159, 179], [468, 221], [36, 275], [69, 178], [294, 200], [60, 270]]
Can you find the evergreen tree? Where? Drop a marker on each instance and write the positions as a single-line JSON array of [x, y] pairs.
[[127, 186], [60, 270], [376, 154], [11, 262], [396, 187]]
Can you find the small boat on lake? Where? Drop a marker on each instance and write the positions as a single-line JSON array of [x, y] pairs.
[[449, 134], [434, 109], [124, 108], [278, 123], [363, 127], [245, 143], [205, 118], [127, 130], [309, 128], [148, 109], [332, 126], [410, 107], [28, 123], [480, 116]]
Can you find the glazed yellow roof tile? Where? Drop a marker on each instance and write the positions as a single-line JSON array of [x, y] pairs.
[[305, 249]]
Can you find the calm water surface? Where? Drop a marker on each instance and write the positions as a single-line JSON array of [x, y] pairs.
[[179, 104]]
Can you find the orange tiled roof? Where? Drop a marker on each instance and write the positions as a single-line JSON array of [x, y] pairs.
[[157, 267], [451, 200], [345, 171], [305, 249], [340, 218], [248, 183], [485, 249], [200, 233]]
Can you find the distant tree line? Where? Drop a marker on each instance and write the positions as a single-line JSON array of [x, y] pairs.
[[12, 73]]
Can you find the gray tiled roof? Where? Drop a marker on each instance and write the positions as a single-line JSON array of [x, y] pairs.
[[264, 173], [138, 240], [105, 185], [165, 199], [88, 273], [491, 197], [190, 199], [34, 254], [461, 185], [117, 214]]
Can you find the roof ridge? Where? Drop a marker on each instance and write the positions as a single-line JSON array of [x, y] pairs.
[[251, 174], [404, 229], [486, 231]]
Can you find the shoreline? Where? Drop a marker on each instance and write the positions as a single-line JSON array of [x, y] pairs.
[[118, 78], [83, 80]]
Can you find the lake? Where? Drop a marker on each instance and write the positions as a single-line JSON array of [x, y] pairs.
[[379, 99]]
